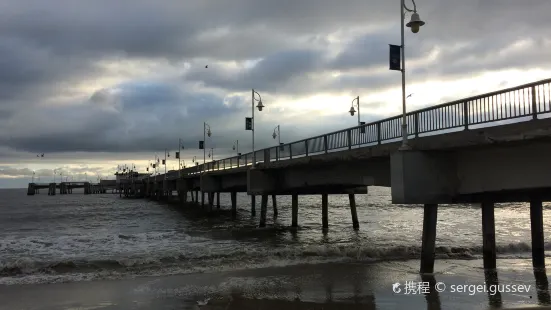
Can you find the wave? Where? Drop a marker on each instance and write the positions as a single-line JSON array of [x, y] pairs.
[[245, 258]]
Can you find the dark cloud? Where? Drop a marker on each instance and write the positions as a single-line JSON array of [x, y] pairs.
[[285, 48]]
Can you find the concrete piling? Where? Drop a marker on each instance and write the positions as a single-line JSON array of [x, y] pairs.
[[218, 200], [233, 204], [210, 202], [355, 223], [488, 235], [428, 240], [536, 223], [294, 211], [274, 204], [253, 205], [263, 209], [51, 189], [324, 211]]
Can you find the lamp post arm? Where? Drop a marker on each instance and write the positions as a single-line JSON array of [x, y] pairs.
[[408, 9]]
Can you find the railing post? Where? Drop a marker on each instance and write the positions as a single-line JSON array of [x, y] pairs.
[[325, 144], [466, 114], [379, 133], [290, 151], [306, 147], [534, 104], [349, 135], [416, 125]]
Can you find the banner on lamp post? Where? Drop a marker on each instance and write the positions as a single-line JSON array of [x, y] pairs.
[[395, 57]]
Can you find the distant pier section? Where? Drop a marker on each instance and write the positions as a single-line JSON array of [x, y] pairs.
[[65, 188]]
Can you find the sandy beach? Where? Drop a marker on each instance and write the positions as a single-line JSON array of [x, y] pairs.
[[316, 286]]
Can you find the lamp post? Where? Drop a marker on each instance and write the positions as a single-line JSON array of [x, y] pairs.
[[208, 133], [236, 146], [165, 162], [211, 153], [277, 135], [180, 148], [352, 111], [414, 24], [259, 106]]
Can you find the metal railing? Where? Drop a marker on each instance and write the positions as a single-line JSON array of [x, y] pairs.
[[528, 100]]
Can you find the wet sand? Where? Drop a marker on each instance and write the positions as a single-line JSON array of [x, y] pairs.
[[320, 286]]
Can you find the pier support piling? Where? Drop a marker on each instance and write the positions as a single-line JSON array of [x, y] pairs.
[[294, 210], [253, 205], [210, 202], [233, 204], [218, 200], [428, 240], [263, 209], [274, 204], [488, 235], [355, 223], [202, 199], [324, 211], [536, 223]]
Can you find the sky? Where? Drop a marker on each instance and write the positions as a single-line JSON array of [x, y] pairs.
[[97, 84]]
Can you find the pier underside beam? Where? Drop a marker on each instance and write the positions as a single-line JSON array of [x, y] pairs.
[[271, 182]]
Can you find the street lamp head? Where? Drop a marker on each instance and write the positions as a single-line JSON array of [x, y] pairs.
[[233, 147], [415, 22], [352, 110], [274, 135], [209, 132], [260, 105]]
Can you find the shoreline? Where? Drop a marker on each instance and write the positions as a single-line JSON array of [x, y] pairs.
[[310, 286]]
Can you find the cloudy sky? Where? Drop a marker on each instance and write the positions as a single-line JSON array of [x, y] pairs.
[[96, 84]]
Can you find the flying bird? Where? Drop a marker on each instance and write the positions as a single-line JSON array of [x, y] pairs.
[[206, 66], [409, 95]]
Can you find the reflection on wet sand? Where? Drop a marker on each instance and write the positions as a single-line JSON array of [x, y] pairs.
[[491, 279], [542, 286], [432, 298], [238, 302]]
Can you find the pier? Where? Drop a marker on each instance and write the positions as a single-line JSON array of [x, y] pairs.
[[484, 150], [65, 188]]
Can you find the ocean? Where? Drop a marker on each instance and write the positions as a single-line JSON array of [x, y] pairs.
[[81, 251]]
